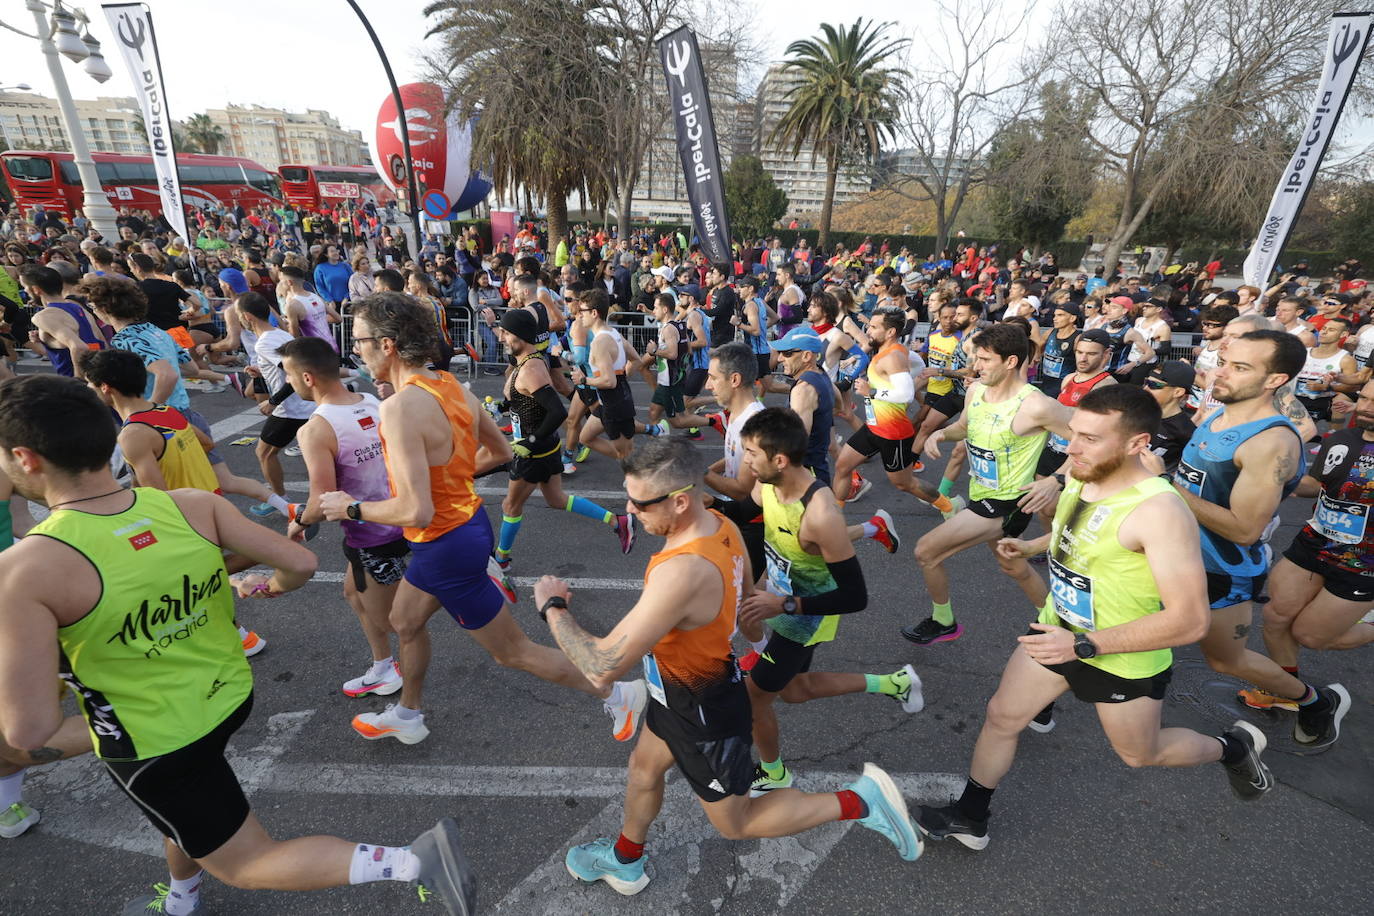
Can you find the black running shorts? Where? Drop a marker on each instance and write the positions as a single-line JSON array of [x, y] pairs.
[[1014, 520], [385, 563], [781, 660], [897, 454], [1091, 684], [715, 767], [1342, 583]]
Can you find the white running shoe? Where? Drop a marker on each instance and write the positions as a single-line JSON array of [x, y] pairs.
[[386, 724], [292, 451], [385, 686], [625, 716], [913, 700], [958, 504]]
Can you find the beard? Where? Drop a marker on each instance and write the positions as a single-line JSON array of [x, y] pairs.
[[1364, 421], [1232, 395], [1099, 471], [773, 475]]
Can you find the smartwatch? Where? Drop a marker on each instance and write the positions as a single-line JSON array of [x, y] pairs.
[[790, 604], [355, 511], [300, 510], [554, 601], [1083, 647], [1060, 479]]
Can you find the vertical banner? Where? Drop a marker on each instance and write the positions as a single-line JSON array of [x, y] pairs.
[[132, 24], [1344, 48], [696, 141]]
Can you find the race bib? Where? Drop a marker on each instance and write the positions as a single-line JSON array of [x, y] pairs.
[[1052, 366], [1073, 596], [779, 570], [1190, 478], [517, 432], [1339, 520], [982, 464], [1058, 444], [654, 680], [869, 415]]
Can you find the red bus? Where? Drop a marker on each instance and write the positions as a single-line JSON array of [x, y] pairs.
[[50, 179], [317, 186]]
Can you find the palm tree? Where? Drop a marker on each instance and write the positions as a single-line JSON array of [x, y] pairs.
[[846, 101], [204, 133]]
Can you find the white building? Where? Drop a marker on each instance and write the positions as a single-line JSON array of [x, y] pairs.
[[32, 121], [274, 137]]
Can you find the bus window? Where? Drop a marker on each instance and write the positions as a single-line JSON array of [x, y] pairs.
[[29, 168], [295, 173]]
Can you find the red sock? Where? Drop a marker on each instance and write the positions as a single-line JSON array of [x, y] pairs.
[[628, 850], [852, 807], [1293, 670]]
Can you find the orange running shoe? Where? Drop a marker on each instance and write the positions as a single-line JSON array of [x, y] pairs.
[[1258, 699]]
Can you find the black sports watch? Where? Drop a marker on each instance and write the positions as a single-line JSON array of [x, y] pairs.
[[1060, 479], [790, 604], [1083, 647], [554, 601], [355, 511]]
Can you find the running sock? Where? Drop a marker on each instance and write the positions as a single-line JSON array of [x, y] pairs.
[[883, 683], [276, 502], [759, 646], [588, 509], [773, 769], [405, 713], [1293, 670], [942, 503], [975, 801], [946, 486], [943, 613], [870, 530], [379, 669], [183, 895], [1312, 699], [510, 527], [1232, 749], [627, 850], [852, 807], [11, 790], [383, 863]]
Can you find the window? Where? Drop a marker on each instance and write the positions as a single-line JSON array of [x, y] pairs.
[[295, 173], [29, 168]]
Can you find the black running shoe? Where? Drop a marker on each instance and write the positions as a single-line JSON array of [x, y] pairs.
[[928, 631], [1043, 721], [444, 869], [1249, 777], [950, 823], [1319, 725]]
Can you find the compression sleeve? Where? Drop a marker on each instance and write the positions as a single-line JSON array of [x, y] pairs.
[[281, 395], [901, 388], [554, 413], [739, 511], [850, 593]]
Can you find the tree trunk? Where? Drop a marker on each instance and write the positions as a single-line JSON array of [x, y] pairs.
[[557, 206], [941, 229], [1169, 254], [832, 171], [623, 210]]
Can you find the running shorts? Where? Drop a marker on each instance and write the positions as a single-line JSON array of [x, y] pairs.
[[453, 568], [670, 398], [588, 395], [1091, 684], [1225, 590], [715, 767], [537, 468], [1014, 520], [1342, 583], [897, 454], [781, 660], [1317, 408], [694, 382], [764, 369], [951, 404], [385, 563], [182, 337], [616, 427], [279, 432], [1049, 462]]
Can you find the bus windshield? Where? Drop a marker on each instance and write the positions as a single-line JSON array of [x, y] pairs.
[[28, 168], [295, 173]]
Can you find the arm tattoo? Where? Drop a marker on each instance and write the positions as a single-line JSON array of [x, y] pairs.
[[45, 754], [1284, 465], [581, 648], [1292, 408]]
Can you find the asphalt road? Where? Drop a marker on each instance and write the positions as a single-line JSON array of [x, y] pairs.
[[529, 768]]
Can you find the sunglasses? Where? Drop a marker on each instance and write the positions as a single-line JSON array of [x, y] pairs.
[[1211, 324], [1156, 383], [646, 503]]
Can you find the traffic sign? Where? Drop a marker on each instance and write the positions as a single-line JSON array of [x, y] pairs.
[[436, 204]]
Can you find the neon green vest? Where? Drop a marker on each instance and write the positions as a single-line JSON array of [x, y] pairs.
[[1096, 583], [157, 662], [793, 571], [1000, 462]]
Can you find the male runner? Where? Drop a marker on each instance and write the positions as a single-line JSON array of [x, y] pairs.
[[699, 718], [1328, 369], [284, 419], [698, 350], [436, 438], [63, 329], [944, 388], [163, 688], [1005, 425], [613, 423], [1214, 319], [1092, 352], [668, 355], [1126, 585], [528, 293], [1239, 465], [306, 313], [1057, 349], [1169, 384], [536, 414]]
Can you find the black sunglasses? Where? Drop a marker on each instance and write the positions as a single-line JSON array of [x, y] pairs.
[[646, 503]]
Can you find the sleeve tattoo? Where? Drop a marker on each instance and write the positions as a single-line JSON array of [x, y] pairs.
[[582, 650]]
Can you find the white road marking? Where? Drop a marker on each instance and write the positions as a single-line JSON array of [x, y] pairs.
[[236, 423], [615, 498], [629, 585]]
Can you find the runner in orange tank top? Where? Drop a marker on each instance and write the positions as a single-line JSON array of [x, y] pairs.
[[699, 717]]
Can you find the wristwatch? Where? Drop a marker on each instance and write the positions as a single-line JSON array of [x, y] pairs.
[[554, 601], [1083, 647], [1060, 479], [355, 511], [790, 604]]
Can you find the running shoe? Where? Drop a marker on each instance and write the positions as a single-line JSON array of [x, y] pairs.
[[1249, 777], [929, 632], [763, 783], [625, 715], [502, 562], [911, 697], [917, 466], [956, 505], [263, 510], [501, 580], [887, 530], [156, 902], [444, 870], [662, 428], [17, 818], [292, 451], [1319, 725], [241, 383], [386, 724], [1043, 721], [950, 823], [1258, 699], [625, 530], [717, 421], [584, 453], [569, 462], [694, 434], [596, 861], [252, 642], [748, 662], [858, 487], [385, 686], [887, 813]]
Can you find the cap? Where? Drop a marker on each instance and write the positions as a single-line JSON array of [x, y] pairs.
[[1069, 308], [799, 338], [1123, 301], [748, 280], [1174, 372], [521, 323], [1097, 336]]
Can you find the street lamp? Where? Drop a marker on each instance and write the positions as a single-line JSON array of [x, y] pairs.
[[66, 32]]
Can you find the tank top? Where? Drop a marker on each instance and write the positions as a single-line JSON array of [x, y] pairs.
[[1120, 351], [618, 400], [1070, 393], [758, 343], [791, 569], [940, 350], [734, 447], [1206, 361], [1152, 333], [1096, 583], [157, 663], [1000, 462], [183, 462], [61, 358], [1058, 360], [1208, 469], [360, 465], [887, 419], [1339, 529], [1314, 369], [526, 413], [822, 422], [315, 322], [790, 315], [670, 371], [541, 317], [700, 358], [451, 484]]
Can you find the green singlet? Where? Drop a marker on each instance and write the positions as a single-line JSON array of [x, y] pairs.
[[1000, 462], [1096, 583], [157, 662], [793, 571]]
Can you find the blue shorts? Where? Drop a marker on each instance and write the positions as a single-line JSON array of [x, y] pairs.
[[1225, 590], [453, 568]]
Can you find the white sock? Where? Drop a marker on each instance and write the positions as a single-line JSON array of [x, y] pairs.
[[759, 646], [182, 895], [383, 863], [379, 668], [278, 503], [405, 714], [11, 790], [870, 529]]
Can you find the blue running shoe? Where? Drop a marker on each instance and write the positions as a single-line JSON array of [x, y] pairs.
[[887, 812], [596, 861], [262, 510]]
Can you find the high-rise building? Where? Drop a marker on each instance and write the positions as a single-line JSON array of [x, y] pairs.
[[32, 121], [273, 136], [900, 165]]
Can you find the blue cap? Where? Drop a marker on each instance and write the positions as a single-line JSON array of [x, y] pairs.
[[234, 279], [799, 338]]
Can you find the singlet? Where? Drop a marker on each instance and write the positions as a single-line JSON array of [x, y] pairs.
[[1000, 462], [693, 673], [1314, 369], [1096, 583], [157, 663], [315, 321], [1153, 335], [617, 401], [887, 419], [1339, 529], [1120, 352], [792, 570], [758, 343], [1070, 393], [541, 317], [1206, 361], [526, 413], [671, 371], [1058, 359], [700, 358], [360, 465], [183, 461], [791, 315], [1208, 469], [451, 484], [822, 422], [940, 354], [734, 448], [60, 357]]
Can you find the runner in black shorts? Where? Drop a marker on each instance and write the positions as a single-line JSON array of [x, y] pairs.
[[611, 357], [667, 358]]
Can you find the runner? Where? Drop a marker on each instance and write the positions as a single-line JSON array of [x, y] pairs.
[[1057, 356], [306, 313], [63, 328], [536, 414], [700, 716], [579, 341], [1005, 424], [1239, 465], [1214, 320], [752, 321], [528, 293], [161, 709], [944, 387], [1328, 369], [1126, 586], [435, 439], [1169, 385], [612, 424], [668, 356], [698, 351]]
